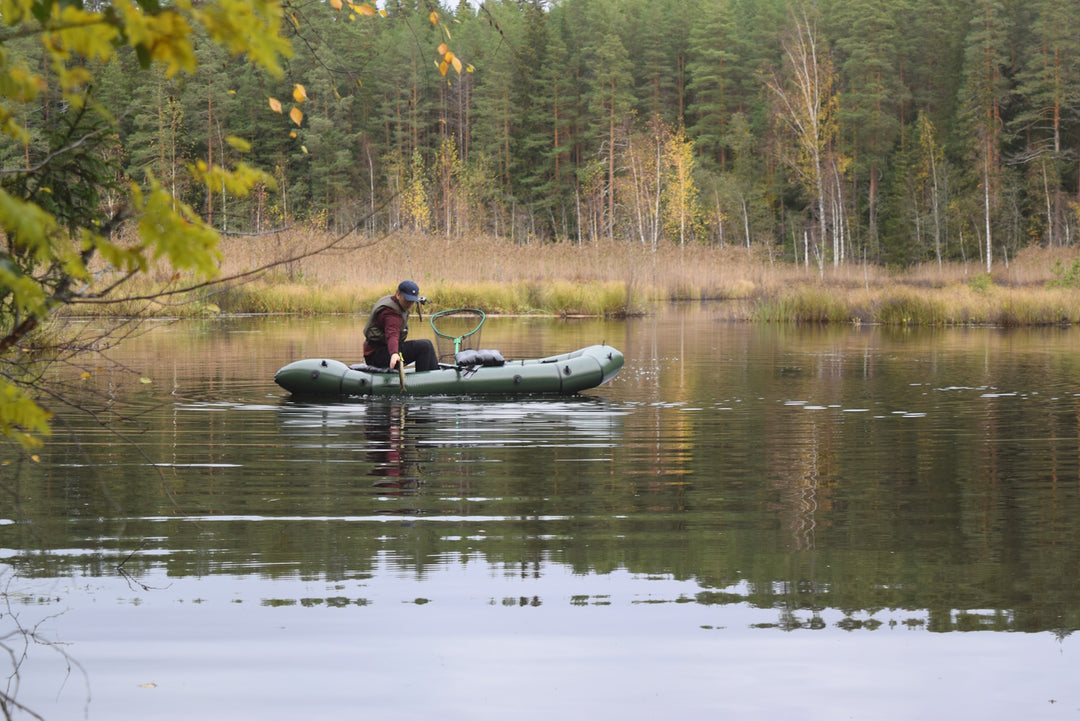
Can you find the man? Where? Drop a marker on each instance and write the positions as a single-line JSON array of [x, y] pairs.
[[388, 325]]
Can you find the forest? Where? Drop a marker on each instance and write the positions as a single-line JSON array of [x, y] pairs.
[[893, 132]]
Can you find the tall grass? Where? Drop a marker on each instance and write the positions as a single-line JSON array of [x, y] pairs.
[[900, 305], [610, 279], [804, 304]]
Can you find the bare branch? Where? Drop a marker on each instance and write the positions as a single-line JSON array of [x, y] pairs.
[[61, 151], [16, 645]]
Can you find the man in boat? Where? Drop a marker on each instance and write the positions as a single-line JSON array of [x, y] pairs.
[[387, 327]]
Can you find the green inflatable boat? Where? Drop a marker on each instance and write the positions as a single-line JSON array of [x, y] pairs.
[[484, 374], [464, 369]]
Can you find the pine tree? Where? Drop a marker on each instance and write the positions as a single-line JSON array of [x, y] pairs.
[[557, 104], [657, 34], [494, 114], [984, 91], [713, 59], [868, 45], [610, 95], [1048, 87], [530, 161], [205, 99]]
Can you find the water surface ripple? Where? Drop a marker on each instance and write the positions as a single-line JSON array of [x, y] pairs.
[[844, 513]]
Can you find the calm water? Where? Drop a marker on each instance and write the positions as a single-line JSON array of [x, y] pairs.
[[748, 522]]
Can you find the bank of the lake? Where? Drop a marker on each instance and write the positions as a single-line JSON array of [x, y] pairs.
[[1037, 287]]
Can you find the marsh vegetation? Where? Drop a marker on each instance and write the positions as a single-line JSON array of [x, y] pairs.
[[1038, 287]]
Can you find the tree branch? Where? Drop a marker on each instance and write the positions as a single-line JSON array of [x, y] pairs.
[[334, 244]]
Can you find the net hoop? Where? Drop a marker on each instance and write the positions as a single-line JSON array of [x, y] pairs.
[[457, 329]]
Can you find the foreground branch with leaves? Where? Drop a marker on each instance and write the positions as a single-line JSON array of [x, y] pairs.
[[77, 227], [63, 213]]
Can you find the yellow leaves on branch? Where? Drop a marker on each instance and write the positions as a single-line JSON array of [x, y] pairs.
[[299, 95], [366, 9], [357, 8], [20, 417], [449, 60], [295, 114], [34, 227], [240, 181], [246, 27], [80, 33], [238, 144], [162, 38], [175, 232], [77, 38]]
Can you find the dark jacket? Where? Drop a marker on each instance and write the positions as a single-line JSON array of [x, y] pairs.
[[388, 325]]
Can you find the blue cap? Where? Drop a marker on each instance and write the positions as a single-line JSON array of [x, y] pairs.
[[409, 290]]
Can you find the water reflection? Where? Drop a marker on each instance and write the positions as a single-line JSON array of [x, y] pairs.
[[730, 480], [394, 453], [808, 469]]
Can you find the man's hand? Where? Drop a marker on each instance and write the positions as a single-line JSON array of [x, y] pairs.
[[394, 359]]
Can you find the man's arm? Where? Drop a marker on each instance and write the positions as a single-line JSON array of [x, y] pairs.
[[391, 323]]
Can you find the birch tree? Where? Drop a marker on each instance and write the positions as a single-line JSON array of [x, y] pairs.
[[805, 95], [641, 182], [682, 206], [930, 176]]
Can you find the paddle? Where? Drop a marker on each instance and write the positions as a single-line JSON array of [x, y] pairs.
[[401, 359]]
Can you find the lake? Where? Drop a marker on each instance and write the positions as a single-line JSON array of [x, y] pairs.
[[749, 521]]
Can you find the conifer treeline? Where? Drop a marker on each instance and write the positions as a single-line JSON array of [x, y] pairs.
[[895, 131]]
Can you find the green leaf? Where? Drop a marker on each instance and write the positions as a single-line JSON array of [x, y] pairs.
[[21, 419], [174, 231]]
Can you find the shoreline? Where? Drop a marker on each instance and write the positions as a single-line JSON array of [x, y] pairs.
[[1038, 287], [950, 307]]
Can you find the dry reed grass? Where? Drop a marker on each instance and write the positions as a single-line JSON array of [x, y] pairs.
[[504, 277]]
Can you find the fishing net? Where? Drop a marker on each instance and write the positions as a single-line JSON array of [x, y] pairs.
[[456, 330]]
